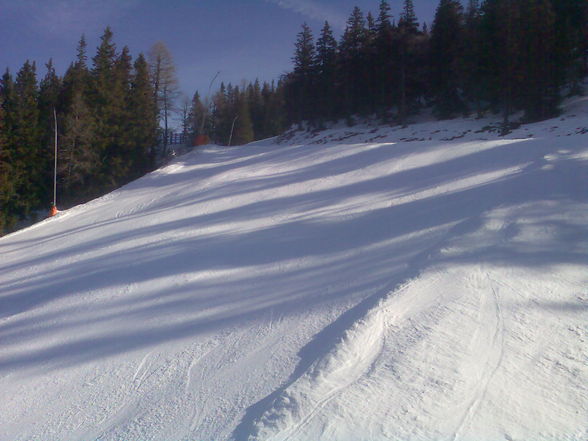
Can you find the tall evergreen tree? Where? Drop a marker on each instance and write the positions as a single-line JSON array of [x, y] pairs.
[[500, 60], [471, 57], [326, 66], [354, 70], [49, 102], [104, 102], [28, 159], [540, 93], [300, 85], [121, 148], [446, 48], [7, 188], [243, 129], [78, 159], [570, 42], [408, 19], [386, 54], [142, 120], [196, 115]]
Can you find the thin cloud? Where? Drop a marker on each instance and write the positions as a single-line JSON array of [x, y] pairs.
[[313, 10], [66, 17]]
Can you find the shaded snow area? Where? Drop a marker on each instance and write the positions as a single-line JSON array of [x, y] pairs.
[[426, 283]]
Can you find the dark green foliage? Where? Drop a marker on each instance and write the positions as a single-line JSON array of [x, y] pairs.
[[107, 131], [141, 125], [243, 129], [353, 75], [241, 115], [7, 188], [540, 93], [326, 74], [498, 55], [446, 72], [408, 19], [299, 84], [26, 143]]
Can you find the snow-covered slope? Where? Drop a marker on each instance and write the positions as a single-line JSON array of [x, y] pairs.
[[426, 283]]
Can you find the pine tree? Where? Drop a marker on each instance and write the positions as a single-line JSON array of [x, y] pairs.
[[255, 104], [78, 159], [540, 93], [472, 85], [243, 130], [500, 56], [49, 102], [196, 115], [7, 188], [386, 53], [353, 66], [408, 58], [300, 83], [408, 20], [103, 102], [326, 66], [570, 42], [446, 49], [274, 120], [78, 155], [142, 120], [27, 143], [121, 118]]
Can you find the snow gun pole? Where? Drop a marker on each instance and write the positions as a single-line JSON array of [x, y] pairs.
[[54, 205], [204, 113], [232, 127]]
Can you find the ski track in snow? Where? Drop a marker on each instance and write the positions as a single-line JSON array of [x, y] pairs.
[[362, 283]]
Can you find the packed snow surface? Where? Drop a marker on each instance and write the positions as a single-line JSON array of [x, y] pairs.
[[364, 283]]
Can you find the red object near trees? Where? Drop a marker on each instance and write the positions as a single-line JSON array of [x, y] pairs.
[[201, 140]]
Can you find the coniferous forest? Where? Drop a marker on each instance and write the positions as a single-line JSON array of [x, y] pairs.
[[114, 112]]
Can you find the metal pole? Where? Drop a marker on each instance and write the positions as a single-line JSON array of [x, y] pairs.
[[232, 127], [55, 162], [206, 98]]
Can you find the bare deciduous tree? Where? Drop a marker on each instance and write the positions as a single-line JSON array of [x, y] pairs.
[[165, 85]]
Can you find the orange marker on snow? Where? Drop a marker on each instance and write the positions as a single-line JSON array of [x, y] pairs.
[[53, 211]]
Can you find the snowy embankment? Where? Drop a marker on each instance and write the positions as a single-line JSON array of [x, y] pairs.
[[356, 284]]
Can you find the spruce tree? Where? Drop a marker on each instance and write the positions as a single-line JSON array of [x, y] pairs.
[[300, 85], [119, 155], [103, 102], [142, 120], [28, 158], [386, 50], [500, 56], [243, 130], [446, 52], [49, 102], [408, 20], [570, 42], [196, 115], [78, 159], [7, 187], [472, 84], [326, 65], [354, 70], [540, 93]]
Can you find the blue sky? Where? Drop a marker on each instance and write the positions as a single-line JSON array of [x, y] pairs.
[[243, 39]]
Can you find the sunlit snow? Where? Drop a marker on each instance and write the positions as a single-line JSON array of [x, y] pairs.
[[363, 283]]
